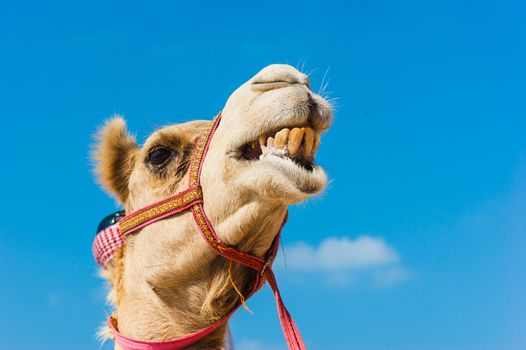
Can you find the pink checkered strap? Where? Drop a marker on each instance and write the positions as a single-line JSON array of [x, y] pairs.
[[106, 244]]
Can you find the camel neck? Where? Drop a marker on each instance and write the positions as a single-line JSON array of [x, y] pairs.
[[170, 302]]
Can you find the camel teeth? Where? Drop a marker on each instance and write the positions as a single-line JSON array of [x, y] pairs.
[[270, 142], [295, 138], [262, 140], [308, 142], [282, 138], [291, 142]]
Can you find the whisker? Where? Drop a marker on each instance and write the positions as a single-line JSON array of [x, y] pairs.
[[324, 85]]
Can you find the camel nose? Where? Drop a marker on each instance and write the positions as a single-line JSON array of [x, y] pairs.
[[277, 76]]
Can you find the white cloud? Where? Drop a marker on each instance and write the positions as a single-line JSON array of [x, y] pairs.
[[336, 254], [344, 260]]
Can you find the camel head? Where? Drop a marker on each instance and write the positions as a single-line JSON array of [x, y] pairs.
[[166, 281]]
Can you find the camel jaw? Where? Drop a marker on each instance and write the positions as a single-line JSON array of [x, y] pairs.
[[281, 163]]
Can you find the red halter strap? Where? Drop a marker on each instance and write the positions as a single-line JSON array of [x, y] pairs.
[[108, 240]]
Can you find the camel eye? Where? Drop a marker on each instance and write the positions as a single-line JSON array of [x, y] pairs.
[[159, 156]]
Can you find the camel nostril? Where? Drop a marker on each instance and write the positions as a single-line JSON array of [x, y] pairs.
[[313, 107], [312, 103]]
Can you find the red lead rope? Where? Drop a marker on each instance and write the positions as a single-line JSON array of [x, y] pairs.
[[290, 330]]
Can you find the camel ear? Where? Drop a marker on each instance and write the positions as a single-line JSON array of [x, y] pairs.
[[114, 155]]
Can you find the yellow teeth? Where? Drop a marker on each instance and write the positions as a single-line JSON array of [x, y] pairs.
[[262, 140], [282, 138], [295, 138], [308, 142], [291, 142]]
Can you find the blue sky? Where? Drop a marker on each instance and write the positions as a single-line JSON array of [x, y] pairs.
[[420, 240]]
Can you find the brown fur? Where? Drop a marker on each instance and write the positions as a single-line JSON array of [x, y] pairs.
[[114, 157], [166, 281]]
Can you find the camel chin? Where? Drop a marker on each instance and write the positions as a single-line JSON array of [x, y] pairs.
[[281, 178]]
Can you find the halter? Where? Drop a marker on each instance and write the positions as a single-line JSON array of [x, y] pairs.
[[109, 239]]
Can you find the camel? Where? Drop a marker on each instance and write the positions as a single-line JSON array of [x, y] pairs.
[[167, 282]]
